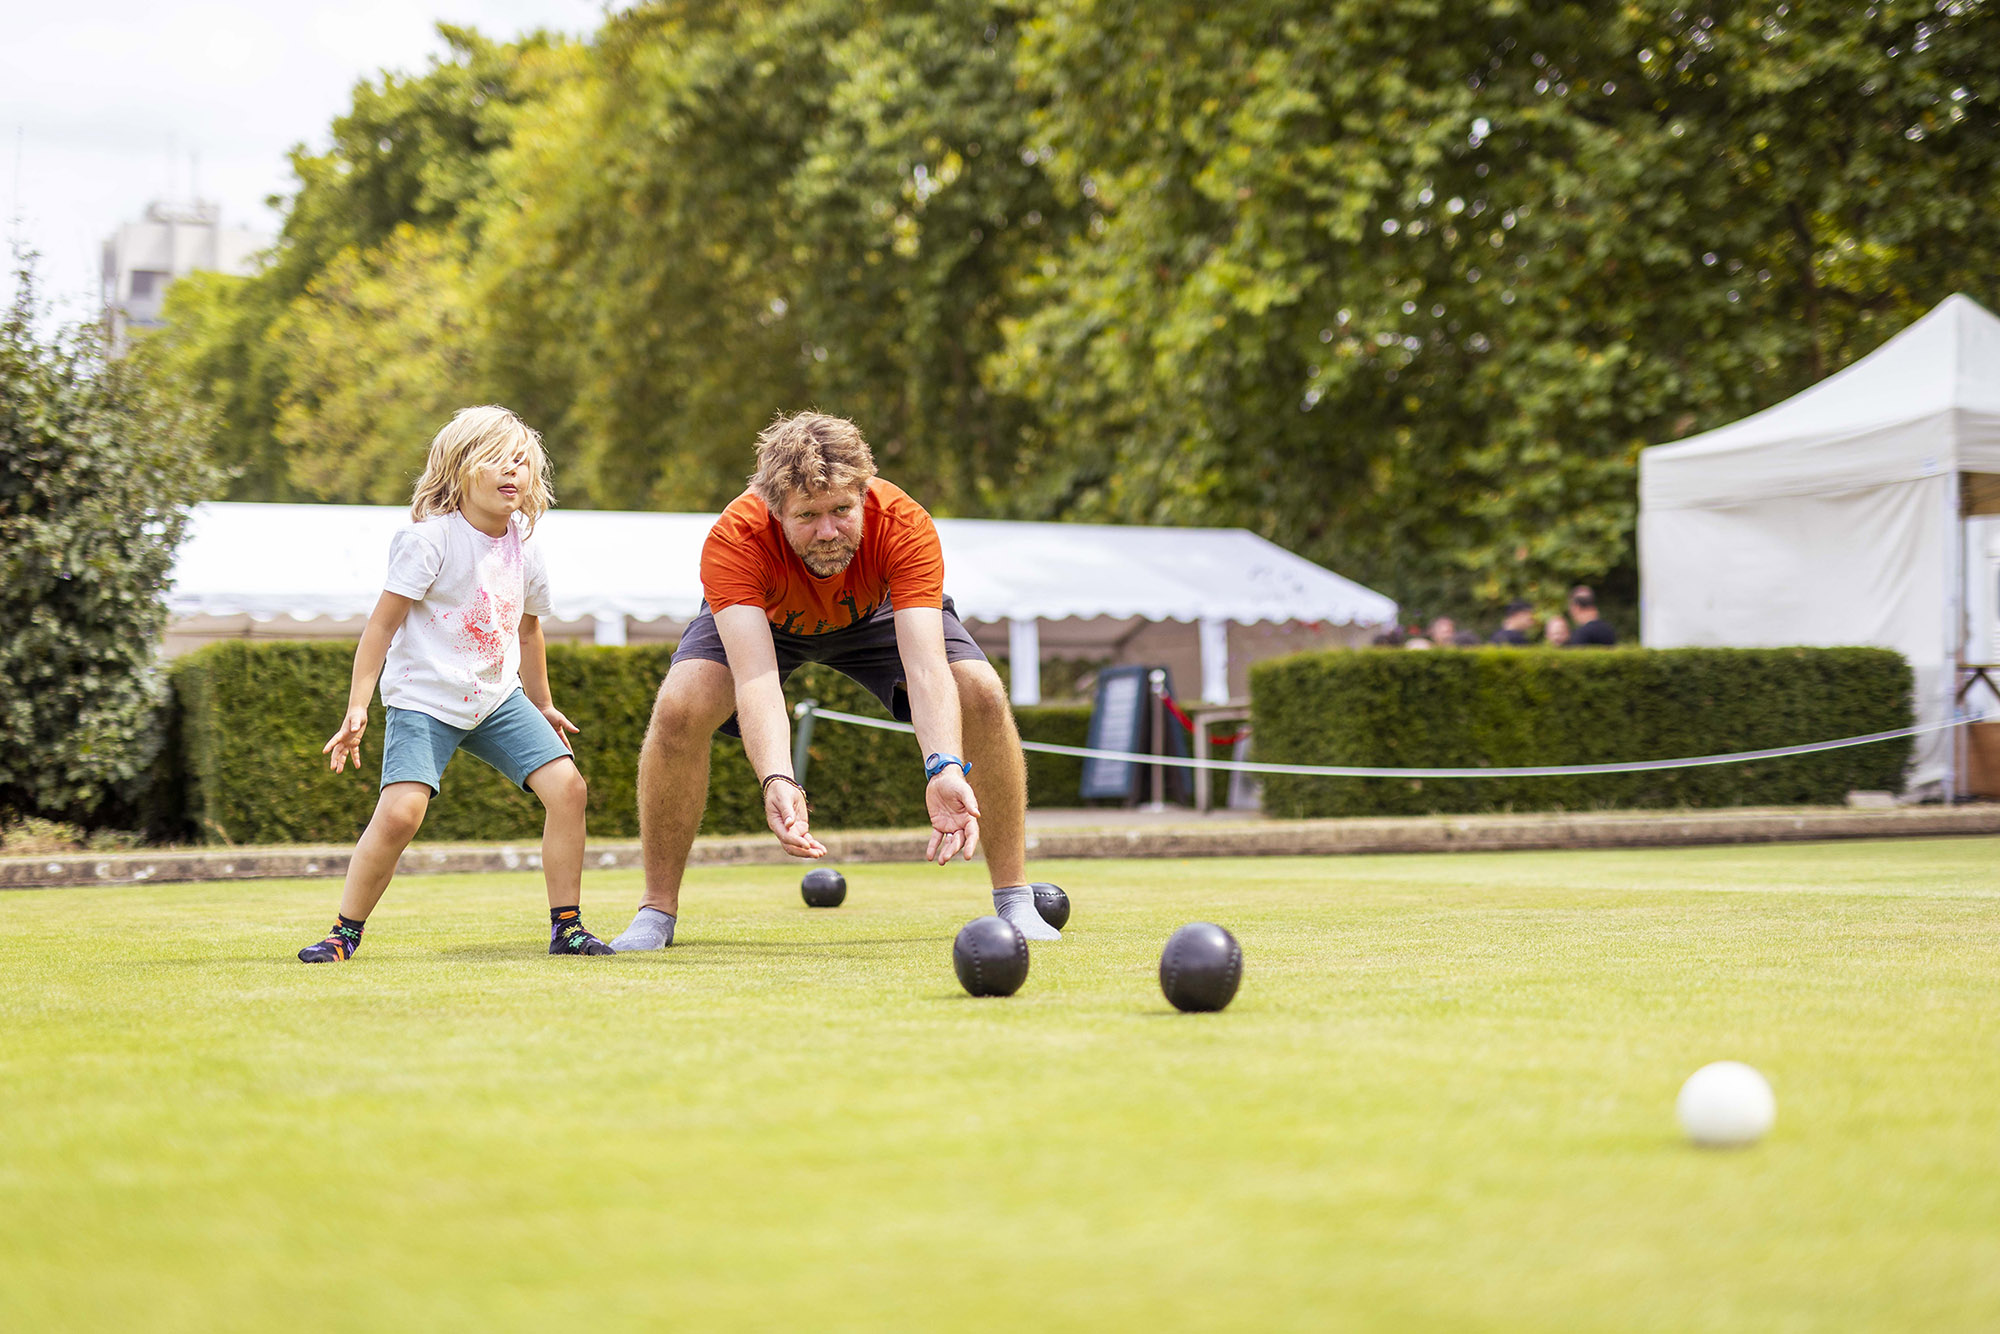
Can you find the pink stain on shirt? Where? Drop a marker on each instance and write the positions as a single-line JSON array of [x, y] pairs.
[[487, 631], [488, 626]]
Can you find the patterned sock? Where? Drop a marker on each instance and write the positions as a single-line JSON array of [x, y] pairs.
[[567, 936], [339, 945]]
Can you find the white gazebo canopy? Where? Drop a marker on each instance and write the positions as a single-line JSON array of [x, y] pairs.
[[1090, 586], [1836, 517]]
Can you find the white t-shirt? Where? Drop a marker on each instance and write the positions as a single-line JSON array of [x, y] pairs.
[[458, 655]]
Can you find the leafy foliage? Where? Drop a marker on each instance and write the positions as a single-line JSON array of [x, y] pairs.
[[1403, 286], [749, 210], [1522, 707], [96, 476], [397, 200], [380, 350]]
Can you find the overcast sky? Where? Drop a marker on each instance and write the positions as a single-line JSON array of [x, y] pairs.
[[107, 105]]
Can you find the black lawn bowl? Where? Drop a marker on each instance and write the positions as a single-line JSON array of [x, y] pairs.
[[990, 956], [1200, 967], [823, 887], [1051, 903]]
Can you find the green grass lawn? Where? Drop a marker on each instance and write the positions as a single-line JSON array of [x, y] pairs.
[[1443, 1100]]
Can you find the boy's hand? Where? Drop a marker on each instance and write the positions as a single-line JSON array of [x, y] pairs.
[[347, 741], [561, 724], [954, 817]]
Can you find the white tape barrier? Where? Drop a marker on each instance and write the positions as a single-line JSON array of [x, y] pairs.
[[1355, 771]]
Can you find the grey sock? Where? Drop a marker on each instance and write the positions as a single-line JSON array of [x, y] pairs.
[[651, 929], [1016, 904]]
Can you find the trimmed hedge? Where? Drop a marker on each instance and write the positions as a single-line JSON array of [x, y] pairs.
[[253, 716], [1055, 780], [1509, 707]]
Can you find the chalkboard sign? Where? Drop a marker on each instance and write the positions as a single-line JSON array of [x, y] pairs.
[[1122, 720]]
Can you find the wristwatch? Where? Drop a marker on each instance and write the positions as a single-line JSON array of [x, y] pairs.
[[937, 762]]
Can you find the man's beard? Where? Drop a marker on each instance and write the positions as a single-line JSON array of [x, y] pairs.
[[830, 557]]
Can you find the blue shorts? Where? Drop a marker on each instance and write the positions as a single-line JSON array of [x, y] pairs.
[[514, 738]]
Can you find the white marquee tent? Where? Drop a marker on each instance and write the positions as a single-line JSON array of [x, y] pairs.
[[1837, 516], [1203, 600]]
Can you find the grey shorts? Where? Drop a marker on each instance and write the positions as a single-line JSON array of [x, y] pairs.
[[865, 653], [514, 738]]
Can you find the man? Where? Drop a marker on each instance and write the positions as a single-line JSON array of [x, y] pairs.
[[1591, 631], [823, 561], [1515, 623]]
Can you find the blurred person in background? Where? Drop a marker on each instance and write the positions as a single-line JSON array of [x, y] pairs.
[[1592, 631], [1517, 622], [1555, 634]]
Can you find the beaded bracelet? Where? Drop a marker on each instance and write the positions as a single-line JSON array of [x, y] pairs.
[[786, 778]]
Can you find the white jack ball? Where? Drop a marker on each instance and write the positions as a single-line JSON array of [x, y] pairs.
[[1726, 1105]]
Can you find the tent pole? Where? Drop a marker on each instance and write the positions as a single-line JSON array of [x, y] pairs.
[[1213, 636], [1024, 659], [1954, 609]]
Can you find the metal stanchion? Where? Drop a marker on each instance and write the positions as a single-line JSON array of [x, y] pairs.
[[1157, 679]]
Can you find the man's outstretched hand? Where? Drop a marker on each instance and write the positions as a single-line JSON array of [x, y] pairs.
[[954, 817], [785, 812]]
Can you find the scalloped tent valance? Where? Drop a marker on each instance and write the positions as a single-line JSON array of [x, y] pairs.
[[327, 560]]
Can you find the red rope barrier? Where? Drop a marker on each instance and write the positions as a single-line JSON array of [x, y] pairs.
[[1188, 723]]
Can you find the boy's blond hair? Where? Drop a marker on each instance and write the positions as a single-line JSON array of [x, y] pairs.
[[477, 438], [809, 452]]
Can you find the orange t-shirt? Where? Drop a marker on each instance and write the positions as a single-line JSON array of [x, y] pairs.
[[747, 560]]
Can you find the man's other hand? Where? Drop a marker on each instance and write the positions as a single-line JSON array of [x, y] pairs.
[[954, 817]]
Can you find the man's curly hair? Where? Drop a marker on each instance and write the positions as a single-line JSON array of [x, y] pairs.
[[809, 452]]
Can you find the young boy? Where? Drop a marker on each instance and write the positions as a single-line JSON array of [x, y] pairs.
[[457, 642]]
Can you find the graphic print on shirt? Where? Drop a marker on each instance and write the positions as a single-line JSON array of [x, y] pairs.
[[855, 615]]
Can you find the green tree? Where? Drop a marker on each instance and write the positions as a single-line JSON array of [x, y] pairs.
[[1406, 285], [96, 478], [628, 295], [755, 209], [381, 347], [917, 209], [212, 355], [1401, 284], [411, 151]]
